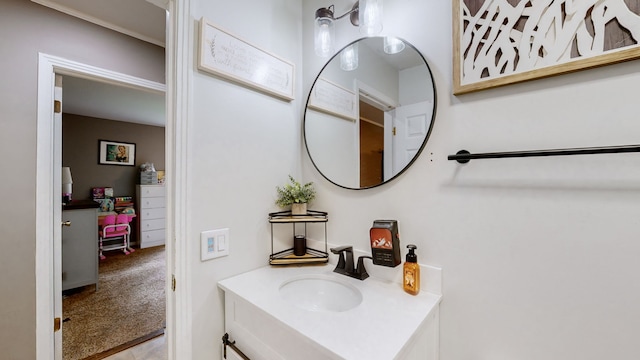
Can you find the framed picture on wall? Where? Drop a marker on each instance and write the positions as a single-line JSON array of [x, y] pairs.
[[500, 42], [116, 153]]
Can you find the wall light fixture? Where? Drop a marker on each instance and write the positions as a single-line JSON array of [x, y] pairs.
[[367, 14]]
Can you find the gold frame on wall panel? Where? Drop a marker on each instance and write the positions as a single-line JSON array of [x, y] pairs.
[[569, 59]]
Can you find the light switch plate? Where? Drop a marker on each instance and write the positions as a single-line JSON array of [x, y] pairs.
[[214, 244]]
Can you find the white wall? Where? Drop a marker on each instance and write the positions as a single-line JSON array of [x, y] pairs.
[[415, 86], [539, 255], [336, 143], [242, 144]]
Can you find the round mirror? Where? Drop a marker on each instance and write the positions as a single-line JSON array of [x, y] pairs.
[[370, 112]]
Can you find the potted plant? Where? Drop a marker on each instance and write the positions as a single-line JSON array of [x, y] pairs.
[[296, 195]]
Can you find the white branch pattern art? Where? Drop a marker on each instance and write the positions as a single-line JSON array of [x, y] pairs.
[[503, 37]]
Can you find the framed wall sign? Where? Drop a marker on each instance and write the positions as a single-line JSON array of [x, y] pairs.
[[333, 99], [499, 42], [116, 153], [227, 56]]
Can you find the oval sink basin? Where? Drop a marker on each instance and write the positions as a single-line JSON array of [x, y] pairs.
[[320, 293]]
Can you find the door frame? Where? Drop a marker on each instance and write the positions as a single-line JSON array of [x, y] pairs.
[[47, 194], [179, 59]]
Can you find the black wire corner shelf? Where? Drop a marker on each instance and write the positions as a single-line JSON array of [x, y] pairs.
[[287, 257]]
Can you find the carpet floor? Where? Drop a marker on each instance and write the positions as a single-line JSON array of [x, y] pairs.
[[129, 304]]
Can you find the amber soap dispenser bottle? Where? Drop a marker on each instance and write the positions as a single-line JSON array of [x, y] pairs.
[[411, 270]]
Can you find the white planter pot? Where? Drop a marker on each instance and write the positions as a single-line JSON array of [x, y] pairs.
[[299, 209]]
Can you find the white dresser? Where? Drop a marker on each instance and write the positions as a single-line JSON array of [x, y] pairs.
[[151, 202]]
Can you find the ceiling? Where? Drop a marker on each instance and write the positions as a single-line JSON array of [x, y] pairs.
[[137, 18], [111, 102], [142, 19], [405, 59]]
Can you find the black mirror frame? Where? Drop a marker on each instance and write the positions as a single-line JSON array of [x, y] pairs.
[[424, 142]]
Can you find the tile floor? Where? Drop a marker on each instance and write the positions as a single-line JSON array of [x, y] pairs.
[[153, 349]]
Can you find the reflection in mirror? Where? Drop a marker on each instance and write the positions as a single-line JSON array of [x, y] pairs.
[[365, 126]]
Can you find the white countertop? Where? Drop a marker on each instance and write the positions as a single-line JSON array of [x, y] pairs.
[[378, 328]]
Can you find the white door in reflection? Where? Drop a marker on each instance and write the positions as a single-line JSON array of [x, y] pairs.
[[411, 123]]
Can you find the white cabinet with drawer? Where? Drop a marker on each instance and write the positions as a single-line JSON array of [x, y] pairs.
[[151, 215], [79, 247]]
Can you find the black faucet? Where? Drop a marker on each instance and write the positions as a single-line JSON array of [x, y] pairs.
[[345, 266]]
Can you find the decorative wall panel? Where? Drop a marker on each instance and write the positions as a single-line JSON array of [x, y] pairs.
[[498, 42]]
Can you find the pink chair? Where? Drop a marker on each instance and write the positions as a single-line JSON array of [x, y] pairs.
[[115, 228]]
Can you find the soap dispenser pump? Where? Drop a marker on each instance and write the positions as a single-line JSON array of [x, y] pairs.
[[411, 271]]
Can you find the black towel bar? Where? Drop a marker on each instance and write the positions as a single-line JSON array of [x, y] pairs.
[[463, 156], [226, 342]]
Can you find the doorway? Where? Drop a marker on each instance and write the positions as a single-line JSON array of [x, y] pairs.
[[125, 301], [48, 267], [371, 145]]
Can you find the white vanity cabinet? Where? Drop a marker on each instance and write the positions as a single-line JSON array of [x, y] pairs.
[[262, 337], [425, 344], [151, 200], [387, 325]]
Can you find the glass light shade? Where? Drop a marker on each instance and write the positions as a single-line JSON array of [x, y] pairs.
[[323, 36], [349, 58], [393, 45], [370, 17]]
